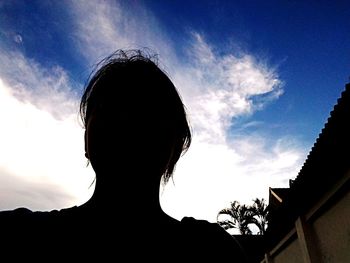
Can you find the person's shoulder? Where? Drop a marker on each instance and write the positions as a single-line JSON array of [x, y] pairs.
[[25, 216], [209, 230], [204, 227], [213, 239], [20, 213]]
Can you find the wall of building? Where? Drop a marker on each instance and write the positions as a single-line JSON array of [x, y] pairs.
[[322, 235], [332, 232], [283, 256]]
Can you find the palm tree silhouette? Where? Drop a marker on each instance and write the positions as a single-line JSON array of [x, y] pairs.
[[240, 217], [260, 212]]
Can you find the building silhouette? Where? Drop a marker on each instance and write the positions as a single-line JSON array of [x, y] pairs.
[[310, 221]]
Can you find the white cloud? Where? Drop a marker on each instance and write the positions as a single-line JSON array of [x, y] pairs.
[[47, 89], [96, 31], [211, 175], [110, 27], [218, 169], [41, 141], [225, 87]]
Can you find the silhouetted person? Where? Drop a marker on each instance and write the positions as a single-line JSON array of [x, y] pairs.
[[135, 131]]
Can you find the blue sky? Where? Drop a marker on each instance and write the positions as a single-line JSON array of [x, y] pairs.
[[259, 79]]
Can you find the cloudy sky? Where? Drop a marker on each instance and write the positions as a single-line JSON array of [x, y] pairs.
[[258, 78]]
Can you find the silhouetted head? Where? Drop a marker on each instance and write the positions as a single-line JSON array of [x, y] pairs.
[[133, 116]]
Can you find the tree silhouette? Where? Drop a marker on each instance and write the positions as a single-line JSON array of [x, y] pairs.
[[242, 216], [260, 211]]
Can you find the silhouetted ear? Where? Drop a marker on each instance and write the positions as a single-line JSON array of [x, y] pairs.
[[85, 146]]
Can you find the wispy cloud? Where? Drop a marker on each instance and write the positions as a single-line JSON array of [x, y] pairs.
[[224, 87], [220, 166], [47, 88], [41, 141], [110, 27]]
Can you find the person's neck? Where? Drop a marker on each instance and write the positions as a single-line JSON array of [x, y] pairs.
[[138, 196]]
